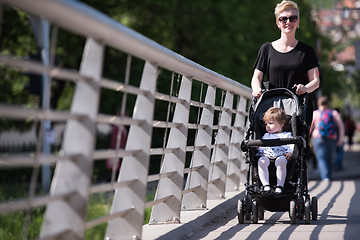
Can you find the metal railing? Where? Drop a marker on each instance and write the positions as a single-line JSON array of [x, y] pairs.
[[199, 159]]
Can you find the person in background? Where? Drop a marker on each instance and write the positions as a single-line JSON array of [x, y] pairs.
[[325, 145], [349, 129], [119, 136], [338, 166]]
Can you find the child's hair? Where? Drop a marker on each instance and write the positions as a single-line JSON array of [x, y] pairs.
[[286, 5], [277, 114]]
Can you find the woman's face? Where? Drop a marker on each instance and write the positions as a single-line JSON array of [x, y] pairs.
[[273, 126], [288, 21]]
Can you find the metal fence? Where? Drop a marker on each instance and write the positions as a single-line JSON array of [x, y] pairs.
[[195, 140]]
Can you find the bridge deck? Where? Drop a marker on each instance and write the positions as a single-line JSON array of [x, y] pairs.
[[338, 213]]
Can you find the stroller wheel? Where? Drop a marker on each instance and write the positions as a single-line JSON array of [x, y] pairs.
[[261, 212], [240, 211], [292, 211], [254, 210], [307, 211], [247, 207], [300, 208], [314, 208]]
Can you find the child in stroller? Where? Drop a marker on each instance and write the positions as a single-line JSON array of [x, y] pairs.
[[295, 197], [275, 120]]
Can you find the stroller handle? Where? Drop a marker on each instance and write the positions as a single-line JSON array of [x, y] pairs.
[[246, 144]]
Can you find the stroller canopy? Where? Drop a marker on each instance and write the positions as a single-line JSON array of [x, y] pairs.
[[280, 97]]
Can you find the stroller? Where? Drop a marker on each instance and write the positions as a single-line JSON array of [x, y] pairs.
[[295, 197]]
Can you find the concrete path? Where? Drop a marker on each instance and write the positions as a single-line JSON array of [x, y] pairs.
[[338, 203], [339, 218], [338, 213]]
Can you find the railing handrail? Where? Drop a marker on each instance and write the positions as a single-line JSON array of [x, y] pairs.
[[84, 20], [213, 139]]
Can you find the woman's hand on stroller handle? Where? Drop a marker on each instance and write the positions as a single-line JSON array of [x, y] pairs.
[[257, 95], [258, 92], [299, 89]]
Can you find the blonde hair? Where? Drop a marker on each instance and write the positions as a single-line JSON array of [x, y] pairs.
[[277, 114], [285, 5]]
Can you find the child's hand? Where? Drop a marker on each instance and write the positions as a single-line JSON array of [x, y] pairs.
[[288, 155]]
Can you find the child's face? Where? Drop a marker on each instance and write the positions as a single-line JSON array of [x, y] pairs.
[[273, 126]]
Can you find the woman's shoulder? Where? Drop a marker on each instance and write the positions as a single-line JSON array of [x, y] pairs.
[[265, 46], [316, 112], [304, 46], [336, 113], [316, 115]]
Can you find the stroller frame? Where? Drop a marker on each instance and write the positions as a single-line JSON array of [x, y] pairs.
[[296, 199]]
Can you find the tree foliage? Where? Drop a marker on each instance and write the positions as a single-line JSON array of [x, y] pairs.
[[223, 36]]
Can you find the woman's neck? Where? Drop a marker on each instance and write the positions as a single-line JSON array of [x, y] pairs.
[[288, 40], [285, 43]]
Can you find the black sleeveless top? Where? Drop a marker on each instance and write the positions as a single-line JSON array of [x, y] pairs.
[[283, 70]]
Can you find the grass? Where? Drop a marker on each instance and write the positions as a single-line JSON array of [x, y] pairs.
[[149, 197], [98, 207], [12, 224]]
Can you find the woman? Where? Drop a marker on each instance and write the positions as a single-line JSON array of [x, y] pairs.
[[325, 146], [286, 61]]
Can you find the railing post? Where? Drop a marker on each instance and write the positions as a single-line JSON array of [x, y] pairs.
[[243, 166], [219, 158], [237, 135], [198, 179], [172, 186], [65, 218], [131, 198]]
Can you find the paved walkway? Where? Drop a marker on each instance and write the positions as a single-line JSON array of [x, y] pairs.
[[351, 164], [339, 218], [339, 213]]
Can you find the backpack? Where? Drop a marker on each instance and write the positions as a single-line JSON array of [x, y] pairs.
[[327, 125]]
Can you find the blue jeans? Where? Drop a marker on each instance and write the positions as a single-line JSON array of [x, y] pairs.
[[324, 150], [339, 156]]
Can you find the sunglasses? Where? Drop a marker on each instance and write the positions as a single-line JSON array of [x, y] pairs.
[[292, 19]]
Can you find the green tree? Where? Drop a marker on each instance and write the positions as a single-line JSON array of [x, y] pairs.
[[15, 31], [223, 36]]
